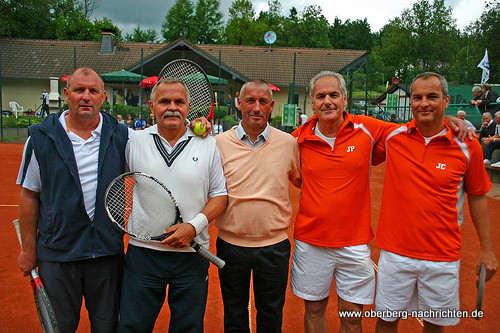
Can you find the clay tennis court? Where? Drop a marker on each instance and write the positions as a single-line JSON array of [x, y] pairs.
[[19, 313]]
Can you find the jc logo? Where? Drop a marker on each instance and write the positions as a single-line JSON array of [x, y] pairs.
[[350, 149], [441, 166]]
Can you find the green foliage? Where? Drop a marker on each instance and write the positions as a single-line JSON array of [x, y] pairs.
[[178, 21], [207, 22], [142, 36], [354, 35], [221, 111], [240, 28], [52, 19], [21, 121], [309, 29]]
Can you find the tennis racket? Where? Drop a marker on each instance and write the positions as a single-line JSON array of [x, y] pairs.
[[480, 289], [144, 207], [42, 302], [197, 83]]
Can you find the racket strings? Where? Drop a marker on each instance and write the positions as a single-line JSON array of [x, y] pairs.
[[141, 206], [200, 90]]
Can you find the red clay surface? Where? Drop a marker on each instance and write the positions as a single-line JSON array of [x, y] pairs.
[[19, 313]]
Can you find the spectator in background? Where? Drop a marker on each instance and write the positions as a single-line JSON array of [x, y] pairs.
[[393, 118], [493, 143], [151, 121], [477, 91], [237, 104], [129, 122], [45, 103], [139, 123], [120, 119], [302, 118], [120, 99], [218, 129], [488, 128], [490, 96], [461, 114], [132, 100]]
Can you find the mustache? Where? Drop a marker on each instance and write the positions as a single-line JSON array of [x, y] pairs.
[[172, 114]]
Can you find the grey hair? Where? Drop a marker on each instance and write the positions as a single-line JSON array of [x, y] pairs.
[[477, 89], [258, 83], [426, 75], [487, 114], [168, 80], [497, 114], [339, 77], [85, 71], [461, 112]]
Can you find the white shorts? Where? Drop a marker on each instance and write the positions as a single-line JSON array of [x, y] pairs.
[[313, 268], [408, 284]]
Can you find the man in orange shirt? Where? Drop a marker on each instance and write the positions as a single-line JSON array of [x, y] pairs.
[[427, 172], [333, 225]]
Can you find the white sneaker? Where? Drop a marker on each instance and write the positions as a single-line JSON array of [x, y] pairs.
[[487, 161], [496, 165]]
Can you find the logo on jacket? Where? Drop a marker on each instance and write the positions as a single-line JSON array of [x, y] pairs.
[[195, 158], [441, 166], [350, 149]]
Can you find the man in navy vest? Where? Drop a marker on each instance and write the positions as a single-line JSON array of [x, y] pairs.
[[68, 162]]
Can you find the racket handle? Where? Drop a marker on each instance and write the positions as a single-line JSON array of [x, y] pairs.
[[208, 255]]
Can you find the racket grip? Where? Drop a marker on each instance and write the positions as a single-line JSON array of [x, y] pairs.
[[208, 255]]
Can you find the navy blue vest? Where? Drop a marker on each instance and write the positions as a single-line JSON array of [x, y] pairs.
[[65, 232]]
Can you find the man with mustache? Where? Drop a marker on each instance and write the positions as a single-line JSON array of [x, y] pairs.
[[68, 162], [259, 163], [190, 166]]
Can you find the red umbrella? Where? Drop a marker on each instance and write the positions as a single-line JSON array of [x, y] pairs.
[[65, 78], [273, 87], [149, 82]]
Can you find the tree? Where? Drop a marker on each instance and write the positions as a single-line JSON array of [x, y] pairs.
[[240, 28], [355, 35], [309, 29], [481, 34], [142, 36], [207, 22], [179, 21], [423, 38], [88, 6]]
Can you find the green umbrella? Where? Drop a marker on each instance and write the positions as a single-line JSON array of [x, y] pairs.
[[215, 80], [122, 76]]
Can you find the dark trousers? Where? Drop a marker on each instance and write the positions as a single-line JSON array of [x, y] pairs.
[[490, 148], [97, 280], [145, 280], [269, 265], [45, 109]]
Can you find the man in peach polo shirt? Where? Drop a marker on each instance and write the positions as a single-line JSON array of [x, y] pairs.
[[259, 163], [428, 171]]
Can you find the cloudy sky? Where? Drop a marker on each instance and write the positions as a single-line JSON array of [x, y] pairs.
[[127, 14]]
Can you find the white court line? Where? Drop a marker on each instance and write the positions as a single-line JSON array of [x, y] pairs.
[[375, 267], [9, 205]]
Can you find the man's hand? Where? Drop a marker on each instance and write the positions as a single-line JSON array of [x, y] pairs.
[[182, 235], [488, 140], [488, 258], [460, 128], [204, 122], [26, 261]]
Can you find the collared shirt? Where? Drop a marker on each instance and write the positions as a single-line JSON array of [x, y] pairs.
[[217, 179], [261, 138], [86, 155]]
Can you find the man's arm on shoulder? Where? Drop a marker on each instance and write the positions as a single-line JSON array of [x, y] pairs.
[[28, 223], [480, 214]]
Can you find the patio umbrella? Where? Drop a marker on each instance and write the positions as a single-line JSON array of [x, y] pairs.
[[148, 82], [65, 78], [273, 87], [122, 76]]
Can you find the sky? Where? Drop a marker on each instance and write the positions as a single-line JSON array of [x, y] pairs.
[[127, 14]]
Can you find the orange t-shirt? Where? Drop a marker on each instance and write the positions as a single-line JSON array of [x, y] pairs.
[[335, 204], [424, 191]]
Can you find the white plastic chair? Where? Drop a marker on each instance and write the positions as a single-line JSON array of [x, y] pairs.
[[16, 107]]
